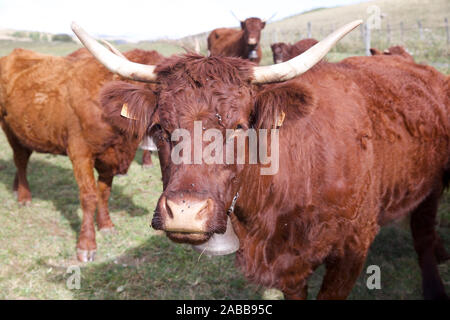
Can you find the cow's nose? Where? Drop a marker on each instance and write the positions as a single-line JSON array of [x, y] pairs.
[[187, 215], [252, 41]]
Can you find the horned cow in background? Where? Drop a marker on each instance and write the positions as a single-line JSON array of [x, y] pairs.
[[50, 104], [244, 43]]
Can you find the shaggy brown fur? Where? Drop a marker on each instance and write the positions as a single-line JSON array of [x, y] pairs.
[[50, 104], [235, 43], [365, 142], [283, 52]]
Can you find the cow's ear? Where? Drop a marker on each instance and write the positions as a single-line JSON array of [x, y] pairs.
[[281, 104], [128, 107], [263, 24], [375, 52]]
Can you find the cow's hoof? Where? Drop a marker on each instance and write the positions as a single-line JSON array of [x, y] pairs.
[[108, 230], [25, 202], [86, 255]]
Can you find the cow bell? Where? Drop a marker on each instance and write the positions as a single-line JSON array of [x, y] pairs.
[[148, 144], [253, 54], [220, 244]]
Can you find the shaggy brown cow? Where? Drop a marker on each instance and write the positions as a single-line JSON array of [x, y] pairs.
[[283, 52], [242, 43], [141, 56], [50, 104], [363, 142]]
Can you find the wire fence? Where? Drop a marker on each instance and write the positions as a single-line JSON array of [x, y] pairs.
[[429, 42]]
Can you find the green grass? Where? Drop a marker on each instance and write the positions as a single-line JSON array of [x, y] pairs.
[[166, 48]]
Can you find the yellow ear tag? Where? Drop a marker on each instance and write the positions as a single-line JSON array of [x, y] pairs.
[[281, 119], [124, 113]]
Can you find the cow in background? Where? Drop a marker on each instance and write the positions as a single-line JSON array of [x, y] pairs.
[[137, 55], [50, 104], [282, 51], [244, 43], [393, 51]]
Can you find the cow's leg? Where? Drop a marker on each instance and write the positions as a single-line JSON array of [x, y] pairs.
[[83, 168], [104, 184], [147, 159], [21, 157], [427, 245], [341, 274], [20, 186]]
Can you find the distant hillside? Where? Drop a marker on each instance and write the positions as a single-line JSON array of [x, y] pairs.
[[399, 26], [25, 36], [430, 13]]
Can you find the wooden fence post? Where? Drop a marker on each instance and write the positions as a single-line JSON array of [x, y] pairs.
[[275, 36], [309, 30], [401, 32], [367, 39], [446, 30], [388, 33], [419, 23]]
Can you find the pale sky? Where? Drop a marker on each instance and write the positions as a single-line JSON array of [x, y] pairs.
[[145, 20]]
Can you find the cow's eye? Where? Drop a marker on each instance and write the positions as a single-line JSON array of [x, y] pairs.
[[241, 126]]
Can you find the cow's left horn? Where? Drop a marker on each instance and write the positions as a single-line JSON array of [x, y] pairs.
[[302, 63], [113, 62]]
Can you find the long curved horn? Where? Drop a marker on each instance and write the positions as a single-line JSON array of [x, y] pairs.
[[114, 63], [302, 63], [271, 17], [236, 17]]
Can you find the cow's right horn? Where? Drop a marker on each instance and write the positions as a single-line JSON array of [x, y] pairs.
[[113, 62], [302, 63]]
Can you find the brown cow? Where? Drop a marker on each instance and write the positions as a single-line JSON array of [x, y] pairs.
[[395, 50], [50, 104], [142, 56], [244, 43], [283, 52], [363, 142]]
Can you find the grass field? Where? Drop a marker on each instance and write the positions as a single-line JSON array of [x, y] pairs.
[[37, 242]]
